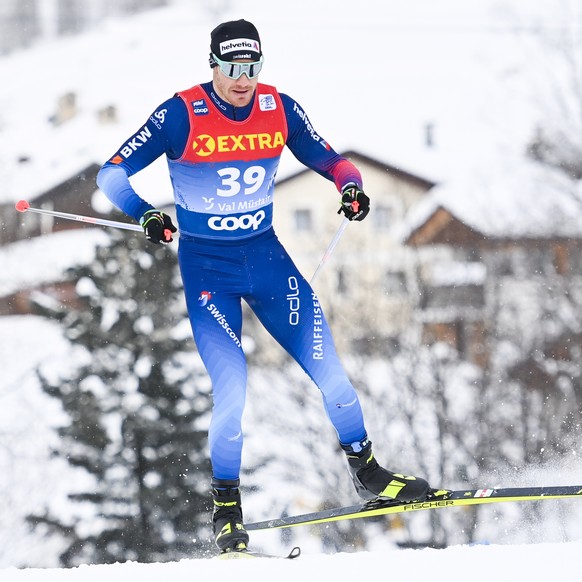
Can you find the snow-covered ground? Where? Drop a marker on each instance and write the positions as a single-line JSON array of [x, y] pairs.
[[531, 563]]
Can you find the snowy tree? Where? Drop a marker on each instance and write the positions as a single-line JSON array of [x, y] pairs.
[[556, 140], [138, 402], [548, 371], [535, 376]]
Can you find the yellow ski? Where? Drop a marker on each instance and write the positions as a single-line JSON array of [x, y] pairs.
[[437, 500]]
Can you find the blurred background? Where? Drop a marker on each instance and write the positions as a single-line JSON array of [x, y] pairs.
[[456, 306]]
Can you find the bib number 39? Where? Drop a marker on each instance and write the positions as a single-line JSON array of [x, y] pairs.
[[233, 182]]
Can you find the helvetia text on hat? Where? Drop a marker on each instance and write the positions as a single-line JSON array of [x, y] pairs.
[[232, 45]]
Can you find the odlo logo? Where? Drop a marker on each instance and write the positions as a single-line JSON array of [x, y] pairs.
[[293, 300], [243, 222]]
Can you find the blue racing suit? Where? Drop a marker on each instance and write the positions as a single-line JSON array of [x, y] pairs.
[[223, 162]]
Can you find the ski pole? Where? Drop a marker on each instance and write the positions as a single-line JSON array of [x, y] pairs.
[[330, 248], [23, 206]]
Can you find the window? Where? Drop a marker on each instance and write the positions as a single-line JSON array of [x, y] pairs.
[[303, 220], [395, 283], [383, 217], [521, 262]]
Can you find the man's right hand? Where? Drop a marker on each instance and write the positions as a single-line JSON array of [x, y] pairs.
[[157, 226]]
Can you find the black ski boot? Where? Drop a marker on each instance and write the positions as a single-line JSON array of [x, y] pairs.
[[373, 482], [227, 519]]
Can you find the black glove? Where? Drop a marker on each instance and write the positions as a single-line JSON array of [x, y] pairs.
[[355, 204], [158, 227]]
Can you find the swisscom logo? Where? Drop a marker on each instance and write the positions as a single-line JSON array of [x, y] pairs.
[[204, 297]]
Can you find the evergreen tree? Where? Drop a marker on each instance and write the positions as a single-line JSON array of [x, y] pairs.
[[137, 403]]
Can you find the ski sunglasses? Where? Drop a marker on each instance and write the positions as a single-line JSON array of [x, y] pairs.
[[237, 70]]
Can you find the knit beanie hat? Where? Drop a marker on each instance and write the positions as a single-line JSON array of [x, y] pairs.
[[236, 39]]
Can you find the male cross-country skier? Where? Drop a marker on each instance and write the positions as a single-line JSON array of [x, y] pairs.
[[223, 140]]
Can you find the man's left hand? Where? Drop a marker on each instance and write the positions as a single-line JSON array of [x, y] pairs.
[[355, 204]]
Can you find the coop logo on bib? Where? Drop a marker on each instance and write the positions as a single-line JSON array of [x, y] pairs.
[[200, 107], [244, 222]]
